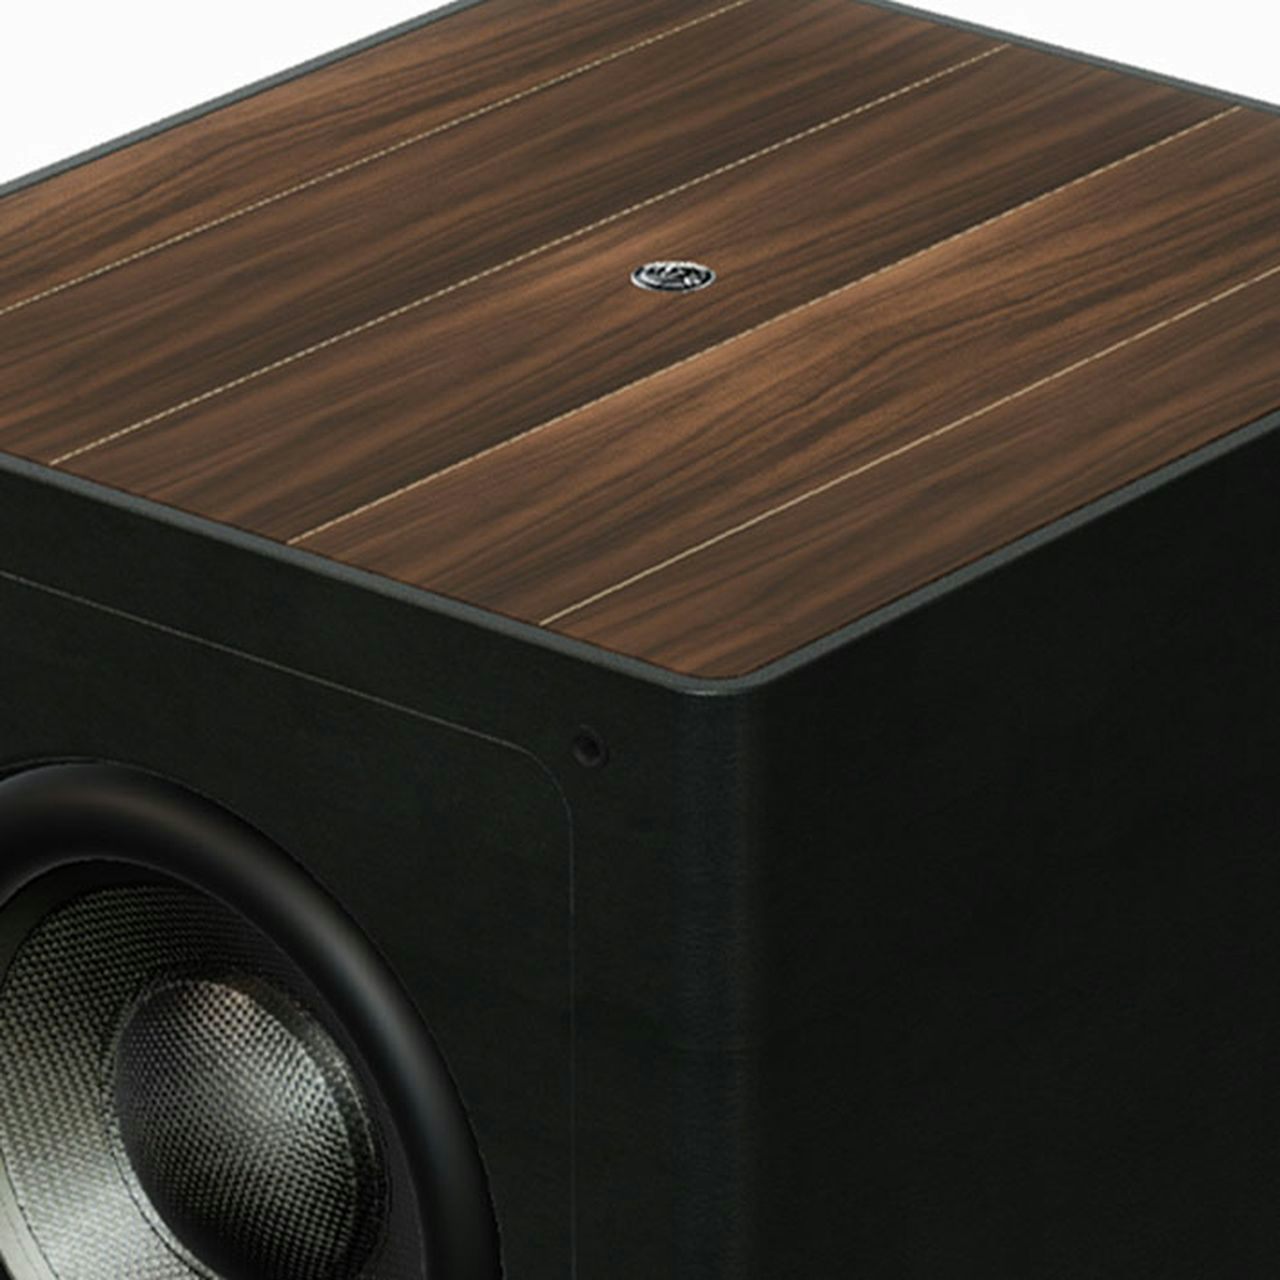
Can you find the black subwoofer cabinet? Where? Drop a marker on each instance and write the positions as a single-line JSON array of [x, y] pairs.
[[642, 642], [950, 950]]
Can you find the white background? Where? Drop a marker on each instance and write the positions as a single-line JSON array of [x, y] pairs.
[[82, 72]]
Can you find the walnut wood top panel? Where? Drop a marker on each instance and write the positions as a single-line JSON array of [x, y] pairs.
[[399, 232], [256, 149], [926, 511], [665, 465], [384, 312], [279, 455]]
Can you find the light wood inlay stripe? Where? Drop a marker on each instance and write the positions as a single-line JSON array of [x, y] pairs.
[[371, 157], [911, 446], [566, 515], [68, 225], [309, 442], [578, 233], [297, 274], [906, 523], [566, 418], [384, 312]]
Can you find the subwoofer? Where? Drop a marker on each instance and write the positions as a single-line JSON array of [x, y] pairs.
[[640, 640], [208, 1071]]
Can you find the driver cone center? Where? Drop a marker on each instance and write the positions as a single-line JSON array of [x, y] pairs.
[[207, 1069], [170, 1077]]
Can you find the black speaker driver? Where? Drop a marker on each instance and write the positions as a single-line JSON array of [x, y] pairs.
[[205, 1070]]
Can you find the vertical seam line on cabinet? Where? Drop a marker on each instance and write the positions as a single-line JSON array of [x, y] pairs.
[[568, 238], [912, 445], [362, 161], [560, 419]]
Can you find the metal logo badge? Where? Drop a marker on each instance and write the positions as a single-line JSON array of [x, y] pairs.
[[673, 277]]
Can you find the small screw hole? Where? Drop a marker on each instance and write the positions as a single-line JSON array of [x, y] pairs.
[[589, 749]]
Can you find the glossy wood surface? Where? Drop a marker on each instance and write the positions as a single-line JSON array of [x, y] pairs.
[[401, 232], [662, 466], [253, 150], [317, 439], [964, 288], [918, 515]]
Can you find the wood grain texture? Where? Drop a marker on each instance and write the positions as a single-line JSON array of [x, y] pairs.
[[389, 235], [900, 526], [607, 493], [964, 288], [85, 219], [312, 442]]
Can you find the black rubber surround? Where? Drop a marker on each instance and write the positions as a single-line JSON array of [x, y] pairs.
[[57, 817]]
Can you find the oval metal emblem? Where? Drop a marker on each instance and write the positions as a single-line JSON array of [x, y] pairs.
[[673, 277]]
